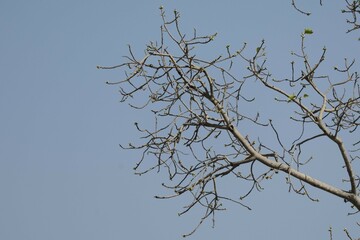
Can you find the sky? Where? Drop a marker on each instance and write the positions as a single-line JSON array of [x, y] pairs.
[[62, 173]]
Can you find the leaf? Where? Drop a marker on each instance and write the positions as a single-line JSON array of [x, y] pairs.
[[308, 31], [305, 95], [212, 37], [291, 97]]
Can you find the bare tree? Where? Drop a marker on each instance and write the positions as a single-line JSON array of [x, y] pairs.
[[200, 110]]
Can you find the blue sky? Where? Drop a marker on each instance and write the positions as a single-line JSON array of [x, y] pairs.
[[62, 173]]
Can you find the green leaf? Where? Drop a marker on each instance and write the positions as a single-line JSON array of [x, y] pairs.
[[308, 31], [305, 95], [291, 98], [212, 37]]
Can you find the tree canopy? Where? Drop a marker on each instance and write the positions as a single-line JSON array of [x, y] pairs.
[[208, 125]]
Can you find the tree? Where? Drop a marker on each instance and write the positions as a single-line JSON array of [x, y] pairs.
[[201, 116]]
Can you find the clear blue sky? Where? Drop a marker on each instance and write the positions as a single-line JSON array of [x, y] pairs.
[[62, 174]]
